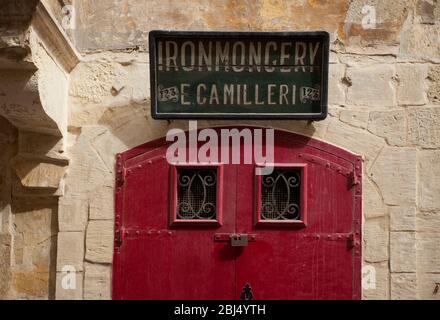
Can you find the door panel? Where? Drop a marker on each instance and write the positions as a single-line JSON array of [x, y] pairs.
[[311, 262], [164, 262]]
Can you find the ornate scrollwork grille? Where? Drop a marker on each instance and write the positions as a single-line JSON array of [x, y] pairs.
[[280, 195], [196, 194]]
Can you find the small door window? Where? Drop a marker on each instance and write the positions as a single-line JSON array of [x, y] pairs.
[[281, 195], [196, 194]]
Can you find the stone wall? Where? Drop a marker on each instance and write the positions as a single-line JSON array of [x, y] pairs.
[[35, 59], [28, 228], [8, 141], [384, 105]]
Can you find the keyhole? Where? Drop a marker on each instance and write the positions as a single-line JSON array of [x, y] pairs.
[[247, 294]]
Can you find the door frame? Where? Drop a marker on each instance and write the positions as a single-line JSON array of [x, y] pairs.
[[355, 175]]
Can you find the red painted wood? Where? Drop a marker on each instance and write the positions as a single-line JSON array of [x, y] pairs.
[[159, 260], [305, 263]]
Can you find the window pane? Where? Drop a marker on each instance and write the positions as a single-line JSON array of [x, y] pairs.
[[196, 194], [280, 195]]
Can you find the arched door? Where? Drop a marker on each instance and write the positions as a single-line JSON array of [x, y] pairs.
[[223, 231]]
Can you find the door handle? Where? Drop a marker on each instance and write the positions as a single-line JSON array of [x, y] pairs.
[[235, 239]]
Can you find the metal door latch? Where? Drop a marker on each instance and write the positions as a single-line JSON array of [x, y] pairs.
[[235, 239], [239, 240]]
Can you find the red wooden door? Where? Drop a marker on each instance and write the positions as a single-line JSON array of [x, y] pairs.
[[303, 237], [315, 259]]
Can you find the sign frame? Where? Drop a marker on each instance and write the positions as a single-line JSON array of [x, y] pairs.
[[323, 36]]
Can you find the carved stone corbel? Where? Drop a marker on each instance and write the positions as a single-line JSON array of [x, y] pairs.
[[36, 57]]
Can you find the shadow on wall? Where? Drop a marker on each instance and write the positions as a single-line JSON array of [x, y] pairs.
[[8, 148], [28, 217], [35, 230]]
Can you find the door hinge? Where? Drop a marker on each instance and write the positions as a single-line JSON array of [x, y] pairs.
[[119, 238], [354, 179], [354, 240], [119, 180]]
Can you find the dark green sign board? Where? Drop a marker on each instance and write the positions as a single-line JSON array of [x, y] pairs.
[[239, 75]]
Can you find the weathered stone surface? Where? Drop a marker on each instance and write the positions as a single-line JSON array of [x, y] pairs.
[[362, 57], [104, 83], [334, 111], [5, 265], [373, 202], [316, 129], [87, 170], [411, 89], [426, 284], [403, 286], [403, 218], [394, 172], [355, 118], [420, 41], [132, 28], [75, 289], [97, 282], [73, 213], [428, 221], [427, 11], [101, 205], [110, 114], [389, 17], [70, 250], [35, 229], [434, 85], [429, 179], [371, 86], [342, 18], [428, 252], [41, 145], [376, 240], [424, 127], [354, 139], [99, 241], [31, 285], [336, 90], [35, 100], [92, 81], [36, 174], [390, 125], [382, 287], [33, 268], [403, 252]]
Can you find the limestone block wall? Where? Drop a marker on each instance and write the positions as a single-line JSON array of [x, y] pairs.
[[384, 105], [35, 59], [8, 140]]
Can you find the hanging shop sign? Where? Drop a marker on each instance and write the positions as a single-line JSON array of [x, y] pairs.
[[239, 75]]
